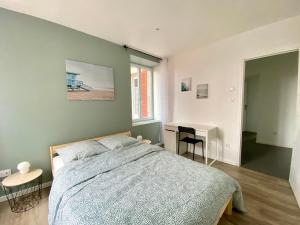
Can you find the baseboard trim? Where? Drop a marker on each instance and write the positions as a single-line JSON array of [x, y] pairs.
[[44, 185], [273, 144], [229, 162]]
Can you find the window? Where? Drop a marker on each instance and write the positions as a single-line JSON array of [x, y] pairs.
[[141, 92]]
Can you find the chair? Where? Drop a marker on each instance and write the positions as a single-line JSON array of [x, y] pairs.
[[188, 140]]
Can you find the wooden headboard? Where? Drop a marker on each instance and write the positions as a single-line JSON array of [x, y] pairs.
[[55, 148]]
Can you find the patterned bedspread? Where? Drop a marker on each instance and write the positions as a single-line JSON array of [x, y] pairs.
[[139, 184]]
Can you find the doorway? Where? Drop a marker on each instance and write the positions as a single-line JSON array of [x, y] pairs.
[[269, 117]]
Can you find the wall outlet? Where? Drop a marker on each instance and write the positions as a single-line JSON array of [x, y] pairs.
[[5, 173]]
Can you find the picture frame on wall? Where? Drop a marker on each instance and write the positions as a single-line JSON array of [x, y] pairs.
[[202, 91], [186, 84], [86, 81]]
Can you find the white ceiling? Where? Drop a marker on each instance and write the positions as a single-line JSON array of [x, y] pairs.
[[183, 24]]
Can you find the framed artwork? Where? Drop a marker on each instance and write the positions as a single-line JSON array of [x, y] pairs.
[[86, 81], [202, 91], [186, 84]]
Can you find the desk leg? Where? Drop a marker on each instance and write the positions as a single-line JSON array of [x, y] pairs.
[[215, 138]]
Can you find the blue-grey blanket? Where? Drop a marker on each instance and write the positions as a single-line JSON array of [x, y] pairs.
[[139, 184]]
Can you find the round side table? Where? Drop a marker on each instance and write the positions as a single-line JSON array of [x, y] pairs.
[[23, 191]]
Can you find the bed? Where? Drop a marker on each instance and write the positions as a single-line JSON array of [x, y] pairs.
[[138, 183]]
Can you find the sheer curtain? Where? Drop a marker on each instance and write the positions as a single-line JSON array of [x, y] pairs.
[[161, 95]]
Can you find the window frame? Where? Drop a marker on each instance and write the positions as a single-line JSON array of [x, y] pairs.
[[140, 66]]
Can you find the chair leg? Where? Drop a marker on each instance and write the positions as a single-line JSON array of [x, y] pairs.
[[194, 152], [178, 143], [202, 150]]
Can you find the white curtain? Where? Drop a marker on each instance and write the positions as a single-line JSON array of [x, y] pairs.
[[160, 88]]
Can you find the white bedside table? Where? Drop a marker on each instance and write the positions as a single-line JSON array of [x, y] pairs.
[[23, 191]]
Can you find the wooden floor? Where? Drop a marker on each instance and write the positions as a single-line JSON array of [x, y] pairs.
[[35, 216], [269, 201]]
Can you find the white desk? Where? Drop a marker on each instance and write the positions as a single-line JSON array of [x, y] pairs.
[[208, 132]]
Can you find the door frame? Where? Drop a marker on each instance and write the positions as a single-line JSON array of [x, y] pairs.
[[243, 91]]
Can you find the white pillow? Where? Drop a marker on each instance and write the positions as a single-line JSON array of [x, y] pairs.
[[117, 141], [57, 163], [81, 150]]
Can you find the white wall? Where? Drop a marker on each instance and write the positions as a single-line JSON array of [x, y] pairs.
[[271, 98], [221, 65]]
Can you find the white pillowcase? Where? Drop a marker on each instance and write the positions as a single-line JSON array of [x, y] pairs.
[[81, 150], [57, 163], [117, 141]]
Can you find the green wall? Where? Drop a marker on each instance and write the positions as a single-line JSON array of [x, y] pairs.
[[150, 131], [34, 110]]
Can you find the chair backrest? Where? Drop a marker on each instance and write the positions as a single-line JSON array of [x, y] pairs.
[[188, 130]]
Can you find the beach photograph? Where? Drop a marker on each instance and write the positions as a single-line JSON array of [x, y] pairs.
[[89, 82]]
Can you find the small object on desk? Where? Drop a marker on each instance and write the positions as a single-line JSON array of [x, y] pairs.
[[145, 141], [23, 191]]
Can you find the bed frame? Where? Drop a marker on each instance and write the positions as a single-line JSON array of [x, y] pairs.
[[55, 148], [226, 209]]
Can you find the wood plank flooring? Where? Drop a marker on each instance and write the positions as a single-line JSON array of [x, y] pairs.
[[36, 216], [269, 200]]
